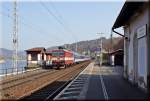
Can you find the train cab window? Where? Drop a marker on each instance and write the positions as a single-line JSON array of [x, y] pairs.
[[61, 53], [55, 54], [58, 54]]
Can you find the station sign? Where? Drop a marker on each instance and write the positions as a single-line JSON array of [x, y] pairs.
[[141, 32]]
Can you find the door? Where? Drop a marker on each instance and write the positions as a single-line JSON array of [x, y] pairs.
[[142, 56]]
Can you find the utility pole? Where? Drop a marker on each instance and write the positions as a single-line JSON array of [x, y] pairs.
[[112, 57], [15, 37], [76, 47], [111, 41], [101, 47]]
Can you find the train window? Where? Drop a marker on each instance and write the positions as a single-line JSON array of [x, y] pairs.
[[34, 57], [57, 53], [61, 53]]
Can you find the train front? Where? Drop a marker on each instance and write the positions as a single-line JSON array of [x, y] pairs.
[[58, 58]]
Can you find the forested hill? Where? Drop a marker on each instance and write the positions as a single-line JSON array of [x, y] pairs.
[[91, 46]]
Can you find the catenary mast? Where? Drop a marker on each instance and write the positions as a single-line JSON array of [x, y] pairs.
[[15, 36]]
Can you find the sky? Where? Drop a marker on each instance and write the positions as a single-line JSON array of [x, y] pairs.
[[46, 24]]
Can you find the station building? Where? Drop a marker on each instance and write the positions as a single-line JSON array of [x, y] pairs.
[[134, 18]]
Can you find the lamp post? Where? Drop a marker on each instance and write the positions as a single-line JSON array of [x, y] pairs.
[[112, 57], [101, 48]]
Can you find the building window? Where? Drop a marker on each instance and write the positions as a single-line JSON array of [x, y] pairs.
[[34, 57]]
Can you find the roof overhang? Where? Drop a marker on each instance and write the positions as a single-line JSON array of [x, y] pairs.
[[119, 51], [127, 11]]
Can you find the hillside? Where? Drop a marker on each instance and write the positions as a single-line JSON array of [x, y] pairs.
[[87, 47], [7, 54], [91, 46]]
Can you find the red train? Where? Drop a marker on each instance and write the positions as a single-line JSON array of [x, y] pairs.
[[63, 58]]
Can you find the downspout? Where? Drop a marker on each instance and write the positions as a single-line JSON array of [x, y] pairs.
[[113, 29], [125, 74]]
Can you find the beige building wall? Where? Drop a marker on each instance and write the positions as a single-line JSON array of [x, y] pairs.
[[136, 58], [44, 57], [29, 57], [39, 57]]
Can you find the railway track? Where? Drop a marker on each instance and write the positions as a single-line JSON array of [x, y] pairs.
[[24, 79], [38, 80], [68, 80], [23, 76], [50, 91]]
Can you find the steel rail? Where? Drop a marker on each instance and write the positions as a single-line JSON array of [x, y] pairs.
[[55, 79], [65, 84], [23, 77], [34, 76]]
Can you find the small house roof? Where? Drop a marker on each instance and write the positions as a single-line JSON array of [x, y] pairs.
[[36, 49]]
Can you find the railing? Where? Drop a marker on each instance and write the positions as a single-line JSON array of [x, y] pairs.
[[8, 71], [4, 70]]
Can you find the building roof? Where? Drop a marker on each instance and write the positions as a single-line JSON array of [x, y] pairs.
[[119, 51], [127, 11], [36, 49]]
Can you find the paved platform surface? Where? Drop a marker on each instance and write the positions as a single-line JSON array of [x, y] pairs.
[[100, 83]]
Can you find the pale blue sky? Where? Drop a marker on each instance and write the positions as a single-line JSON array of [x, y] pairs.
[[38, 28]]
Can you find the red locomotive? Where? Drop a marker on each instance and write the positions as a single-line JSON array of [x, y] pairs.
[[62, 57]]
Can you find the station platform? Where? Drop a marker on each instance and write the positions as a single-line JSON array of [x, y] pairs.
[[87, 85], [100, 83]]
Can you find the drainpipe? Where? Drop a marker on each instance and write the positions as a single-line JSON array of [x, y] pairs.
[[125, 74], [119, 33]]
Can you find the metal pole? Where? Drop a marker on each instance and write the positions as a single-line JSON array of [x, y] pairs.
[[101, 47], [76, 47], [15, 37], [111, 35], [101, 51], [112, 48]]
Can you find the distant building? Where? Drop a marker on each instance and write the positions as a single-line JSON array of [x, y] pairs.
[[116, 53], [134, 18], [35, 56], [116, 57]]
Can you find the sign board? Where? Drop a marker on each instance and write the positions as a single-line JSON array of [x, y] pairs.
[[141, 31]]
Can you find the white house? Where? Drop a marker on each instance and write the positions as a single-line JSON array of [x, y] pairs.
[[134, 18], [35, 56]]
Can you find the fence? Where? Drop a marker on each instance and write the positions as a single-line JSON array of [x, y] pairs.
[[6, 68], [8, 71]]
